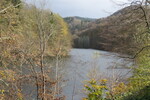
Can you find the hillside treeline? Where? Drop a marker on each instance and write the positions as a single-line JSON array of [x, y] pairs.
[[117, 32], [27, 36]]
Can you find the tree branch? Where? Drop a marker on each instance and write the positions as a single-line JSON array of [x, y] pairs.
[[9, 7], [133, 57]]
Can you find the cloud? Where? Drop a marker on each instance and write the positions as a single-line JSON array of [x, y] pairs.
[[83, 8]]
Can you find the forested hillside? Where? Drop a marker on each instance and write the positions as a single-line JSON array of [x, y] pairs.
[[76, 24], [115, 33], [27, 36]]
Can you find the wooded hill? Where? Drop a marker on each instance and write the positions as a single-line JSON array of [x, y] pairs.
[[76, 24], [114, 33], [29, 36]]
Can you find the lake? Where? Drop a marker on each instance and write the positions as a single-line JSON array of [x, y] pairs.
[[82, 65], [85, 64]]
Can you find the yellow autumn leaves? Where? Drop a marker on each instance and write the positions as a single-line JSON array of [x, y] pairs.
[[99, 90], [95, 89]]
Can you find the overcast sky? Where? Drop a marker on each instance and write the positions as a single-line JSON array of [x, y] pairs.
[[83, 8]]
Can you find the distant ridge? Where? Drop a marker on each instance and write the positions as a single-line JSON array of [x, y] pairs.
[[82, 18], [77, 23]]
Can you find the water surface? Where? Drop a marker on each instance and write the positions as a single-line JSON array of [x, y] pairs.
[[83, 62], [82, 65]]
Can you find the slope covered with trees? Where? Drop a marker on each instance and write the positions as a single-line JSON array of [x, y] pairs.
[[115, 33], [76, 24], [28, 35]]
